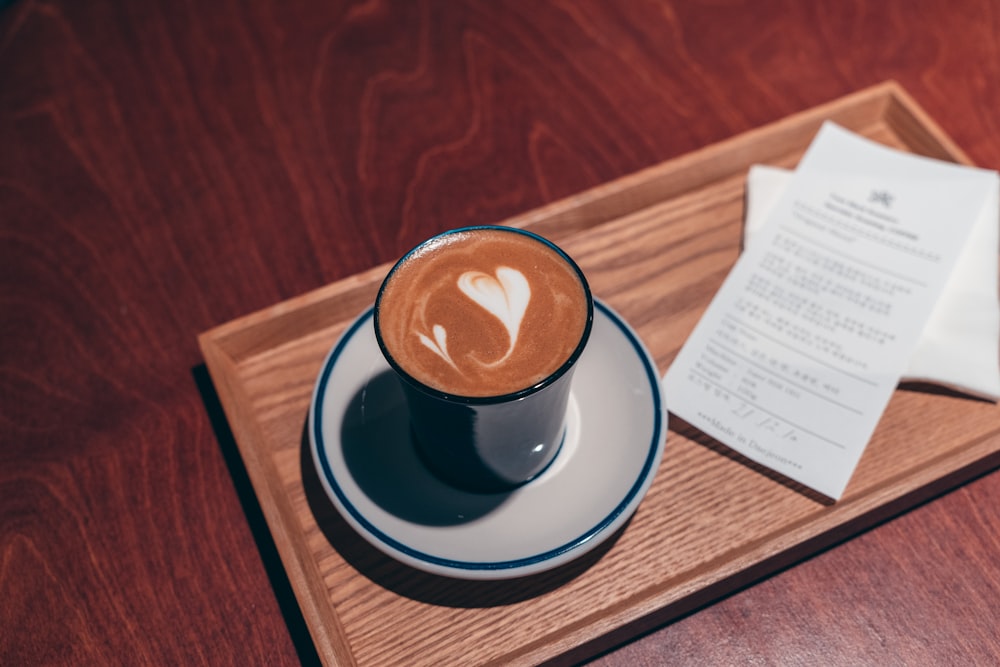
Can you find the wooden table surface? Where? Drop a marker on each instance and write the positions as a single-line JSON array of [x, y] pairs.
[[168, 165]]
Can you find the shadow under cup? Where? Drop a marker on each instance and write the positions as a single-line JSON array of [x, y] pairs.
[[490, 444]]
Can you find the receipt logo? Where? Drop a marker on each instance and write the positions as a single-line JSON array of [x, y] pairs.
[[883, 197]]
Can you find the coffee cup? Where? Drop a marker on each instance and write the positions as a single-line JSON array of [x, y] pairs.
[[484, 326]]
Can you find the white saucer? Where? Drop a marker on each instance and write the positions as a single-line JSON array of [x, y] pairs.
[[617, 421]]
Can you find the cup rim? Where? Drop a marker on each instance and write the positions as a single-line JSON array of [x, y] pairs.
[[547, 381]]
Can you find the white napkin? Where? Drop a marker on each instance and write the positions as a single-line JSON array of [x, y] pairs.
[[960, 345]]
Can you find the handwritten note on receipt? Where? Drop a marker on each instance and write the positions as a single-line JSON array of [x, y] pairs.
[[797, 356]]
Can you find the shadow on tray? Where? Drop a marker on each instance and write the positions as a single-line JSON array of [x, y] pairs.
[[282, 587]]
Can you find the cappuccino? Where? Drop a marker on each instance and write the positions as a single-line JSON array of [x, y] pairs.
[[483, 312]]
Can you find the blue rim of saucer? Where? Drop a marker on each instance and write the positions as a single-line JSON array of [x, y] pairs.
[[319, 446]]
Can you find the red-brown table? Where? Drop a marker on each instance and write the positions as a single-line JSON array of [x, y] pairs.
[[168, 166]]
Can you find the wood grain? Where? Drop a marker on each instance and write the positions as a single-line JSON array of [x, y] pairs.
[[168, 166]]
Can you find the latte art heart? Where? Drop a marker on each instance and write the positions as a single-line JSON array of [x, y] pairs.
[[482, 312], [505, 296]]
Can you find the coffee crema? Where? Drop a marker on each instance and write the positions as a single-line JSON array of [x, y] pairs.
[[482, 312]]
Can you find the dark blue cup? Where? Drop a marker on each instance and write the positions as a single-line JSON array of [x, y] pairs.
[[490, 443]]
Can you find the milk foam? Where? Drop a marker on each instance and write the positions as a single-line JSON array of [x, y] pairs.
[[482, 312], [506, 297], [439, 345]]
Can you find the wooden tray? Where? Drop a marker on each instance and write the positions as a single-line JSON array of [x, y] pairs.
[[656, 246]]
